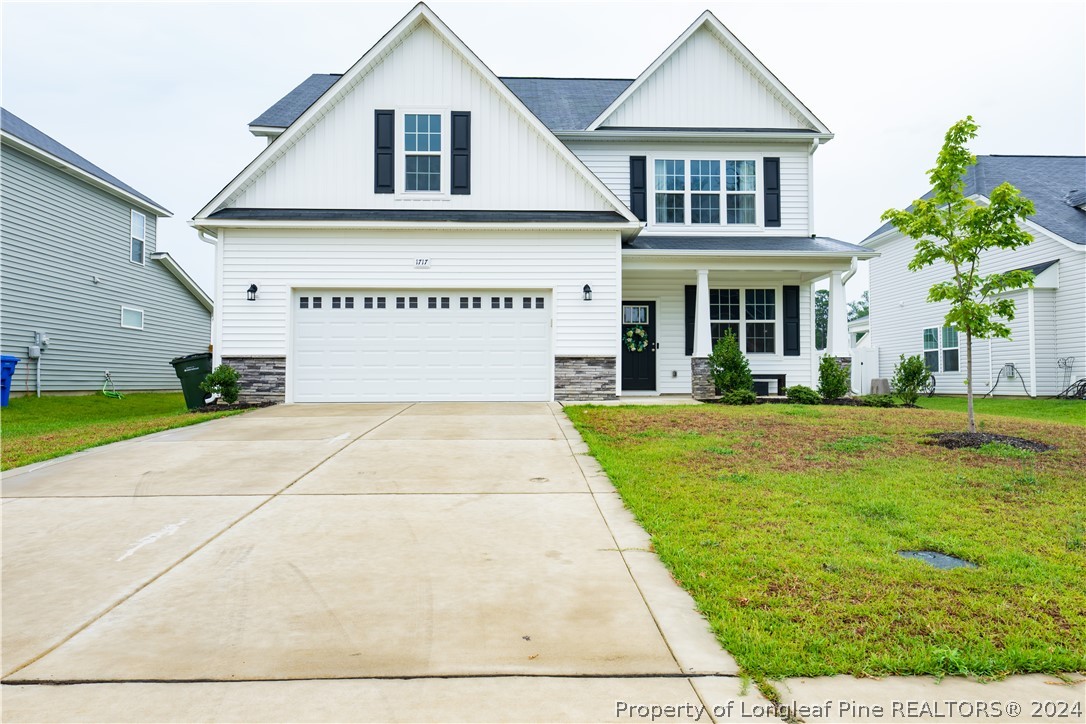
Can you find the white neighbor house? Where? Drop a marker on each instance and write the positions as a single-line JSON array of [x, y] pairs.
[[1049, 328], [419, 229]]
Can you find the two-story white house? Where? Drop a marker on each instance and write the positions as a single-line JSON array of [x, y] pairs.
[[418, 228]]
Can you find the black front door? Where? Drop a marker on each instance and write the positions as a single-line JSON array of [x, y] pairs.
[[639, 345]]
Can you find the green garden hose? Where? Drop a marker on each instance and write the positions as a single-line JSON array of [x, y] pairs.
[[110, 390]]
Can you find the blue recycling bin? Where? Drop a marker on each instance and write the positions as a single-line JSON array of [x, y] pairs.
[[7, 369]]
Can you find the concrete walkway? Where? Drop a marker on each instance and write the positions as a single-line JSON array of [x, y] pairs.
[[428, 562]]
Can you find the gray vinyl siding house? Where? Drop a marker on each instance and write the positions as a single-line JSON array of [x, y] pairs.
[[67, 269]]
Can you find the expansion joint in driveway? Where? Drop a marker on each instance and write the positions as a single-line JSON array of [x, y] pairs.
[[9, 677]]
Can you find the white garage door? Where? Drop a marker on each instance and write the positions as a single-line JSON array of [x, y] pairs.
[[373, 345]]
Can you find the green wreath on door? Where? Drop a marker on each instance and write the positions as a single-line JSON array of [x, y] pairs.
[[636, 339]]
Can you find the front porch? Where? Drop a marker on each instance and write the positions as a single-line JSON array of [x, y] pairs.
[[684, 303]]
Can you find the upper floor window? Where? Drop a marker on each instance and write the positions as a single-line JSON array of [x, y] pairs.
[[691, 191], [741, 185], [422, 151], [138, 236]]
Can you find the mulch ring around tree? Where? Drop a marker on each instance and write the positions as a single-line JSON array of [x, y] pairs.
[[959, 440], [234, 406]]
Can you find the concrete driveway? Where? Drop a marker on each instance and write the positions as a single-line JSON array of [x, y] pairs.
[[426, 562]]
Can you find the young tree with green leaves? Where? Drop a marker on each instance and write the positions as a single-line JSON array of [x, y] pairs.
[[955, 230], [860, 308]]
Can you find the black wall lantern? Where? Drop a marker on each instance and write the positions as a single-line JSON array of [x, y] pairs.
[[250, 293], [587, 293]]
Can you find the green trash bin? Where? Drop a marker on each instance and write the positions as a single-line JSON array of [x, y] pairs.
[[191, 370]]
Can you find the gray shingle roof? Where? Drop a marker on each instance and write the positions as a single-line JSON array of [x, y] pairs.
[[1046, 180], [287, 109], [465, 216], [563, 104], [1038, 268], [17, 127], [1076, 198], [566, 104], [751, 244]]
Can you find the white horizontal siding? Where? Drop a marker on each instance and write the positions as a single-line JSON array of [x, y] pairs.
[[704, 84], [900, 312], [610, 161], [278, 260], [330, 165], [667, 289]]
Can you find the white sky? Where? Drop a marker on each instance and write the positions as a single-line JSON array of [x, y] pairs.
[[160, 93]]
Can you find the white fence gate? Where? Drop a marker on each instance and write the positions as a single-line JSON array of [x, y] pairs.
[[865, 367]]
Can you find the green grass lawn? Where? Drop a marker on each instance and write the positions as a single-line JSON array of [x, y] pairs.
[[784, 523], [39, 428], [1071, 411]]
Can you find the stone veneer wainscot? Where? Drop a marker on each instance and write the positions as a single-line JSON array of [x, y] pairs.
[[584, 378], [261, 379]]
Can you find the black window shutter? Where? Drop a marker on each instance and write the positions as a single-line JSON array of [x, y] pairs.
[[691, 312], [461, 152], [638, 196], [772, 191], [791, 321], [384, 152]]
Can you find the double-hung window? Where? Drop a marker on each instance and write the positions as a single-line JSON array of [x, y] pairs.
[[138, 237], [692, 192], [761, 316], [724, 313], [705, 192], [670, 191], [422, 151], [749, 314], [950, 349], [741, 185], [931, 349]]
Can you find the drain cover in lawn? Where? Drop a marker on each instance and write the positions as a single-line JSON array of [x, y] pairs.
[[939, 560]]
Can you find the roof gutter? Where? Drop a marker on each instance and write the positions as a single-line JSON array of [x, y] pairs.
[[851, 271], [671, 135], [749, 252], [202, 225]]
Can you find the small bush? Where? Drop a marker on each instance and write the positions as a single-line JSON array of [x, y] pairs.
[[801, 395], [878, 401], [728, 366], [833, 380], [223, 381], [738, 397], [910, 376]]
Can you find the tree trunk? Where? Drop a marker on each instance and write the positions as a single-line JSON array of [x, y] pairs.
[[969, 380]]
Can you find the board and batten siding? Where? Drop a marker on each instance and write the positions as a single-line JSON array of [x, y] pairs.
[[331, 164], [667, 289], [280, 260], [59, 234], [704, 84], [900, 312], [610, 161]]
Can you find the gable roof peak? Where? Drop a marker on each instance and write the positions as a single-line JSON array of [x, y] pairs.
[[710, 21]]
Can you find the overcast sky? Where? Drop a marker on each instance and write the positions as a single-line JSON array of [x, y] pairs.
[[160, 93]]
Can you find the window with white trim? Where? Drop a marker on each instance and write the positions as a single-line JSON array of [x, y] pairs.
[[131, 318], [422, 152], [138, 236], [741, 183], [931, 349], [950, 349], [691, 192], [749, 314]]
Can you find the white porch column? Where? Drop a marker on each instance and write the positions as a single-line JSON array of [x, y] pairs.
[[837, 328], [703, 338]]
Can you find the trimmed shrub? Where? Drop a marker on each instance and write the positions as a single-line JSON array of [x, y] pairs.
[[878, 401], [833, 378], [728, 366], [802, 395], [910, 376], [222, 381], [738, 397]]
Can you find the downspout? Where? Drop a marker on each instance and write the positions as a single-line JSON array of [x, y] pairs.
[[851, 271]]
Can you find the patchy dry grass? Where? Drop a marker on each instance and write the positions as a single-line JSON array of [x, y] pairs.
[[36, 429], [784, 523]]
